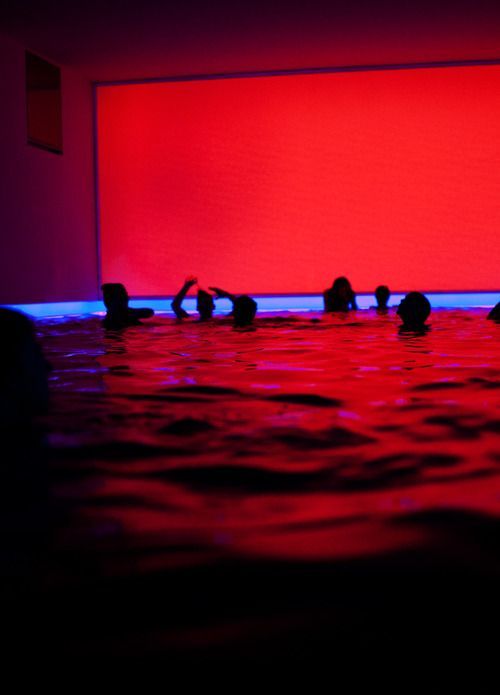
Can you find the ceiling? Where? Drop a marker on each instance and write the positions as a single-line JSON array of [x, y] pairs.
[[116, 40]]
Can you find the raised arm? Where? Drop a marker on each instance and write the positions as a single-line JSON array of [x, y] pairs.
[[179, 297], [222, 294]]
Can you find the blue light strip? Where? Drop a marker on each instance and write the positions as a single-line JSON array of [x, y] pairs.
[[56, 309], [293, 303]]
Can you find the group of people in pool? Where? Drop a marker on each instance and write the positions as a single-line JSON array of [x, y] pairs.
[[414, 309], [119, 314], [23, 378]]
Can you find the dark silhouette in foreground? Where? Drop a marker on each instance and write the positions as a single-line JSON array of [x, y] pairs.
[[382, 294], [244, 307], [204, 301], [118, 312], [24, 388], [340, 296], [414, 310], [494, 314], [24, 484]]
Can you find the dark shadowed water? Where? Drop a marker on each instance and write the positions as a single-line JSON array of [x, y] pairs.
[[320, 481]]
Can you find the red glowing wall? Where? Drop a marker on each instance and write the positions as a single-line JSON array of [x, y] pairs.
[[278, 184]]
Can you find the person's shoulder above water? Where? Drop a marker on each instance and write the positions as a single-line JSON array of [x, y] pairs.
[[494, 314], [118, 313]]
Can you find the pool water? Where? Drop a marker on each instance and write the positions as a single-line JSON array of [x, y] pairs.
[[286, 483]]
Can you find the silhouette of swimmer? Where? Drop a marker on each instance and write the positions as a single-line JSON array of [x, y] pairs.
[[244, 307], [118, 312], [340, 296], [24, 390], [25, 511], [205, 305], [382, 294], [204, 301], [494, 314], [414, 310]]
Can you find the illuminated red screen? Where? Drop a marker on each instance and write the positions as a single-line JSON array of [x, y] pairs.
[[279, 184]]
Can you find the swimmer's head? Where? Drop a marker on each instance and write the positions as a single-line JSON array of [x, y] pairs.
[[494, 314], [382, 294], [244, 310], [341, 287], [414, 310], [114, 296], [205, 305]]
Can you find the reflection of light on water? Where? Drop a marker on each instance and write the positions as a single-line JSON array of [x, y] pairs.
[[349, 415], [356, 441], [408, 503]]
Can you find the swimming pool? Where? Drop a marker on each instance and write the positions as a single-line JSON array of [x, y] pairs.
[[243, 473]]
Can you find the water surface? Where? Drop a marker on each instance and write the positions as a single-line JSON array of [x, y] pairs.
[[188, 453]]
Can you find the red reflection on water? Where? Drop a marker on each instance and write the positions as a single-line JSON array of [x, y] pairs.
[[298, 440]]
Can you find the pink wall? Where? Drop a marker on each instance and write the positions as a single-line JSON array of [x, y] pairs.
[[47, 229]]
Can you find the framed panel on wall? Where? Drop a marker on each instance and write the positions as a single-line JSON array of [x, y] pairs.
[[43, 104]]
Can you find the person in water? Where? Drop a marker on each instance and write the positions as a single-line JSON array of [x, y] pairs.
[[118, 312], [382, 294], [24, 390], [204, 301], [25, 501], [244, 307], [414, 310], [340, 296], [494, 314]]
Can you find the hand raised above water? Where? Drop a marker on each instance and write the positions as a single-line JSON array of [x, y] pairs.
[[220, 293]]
